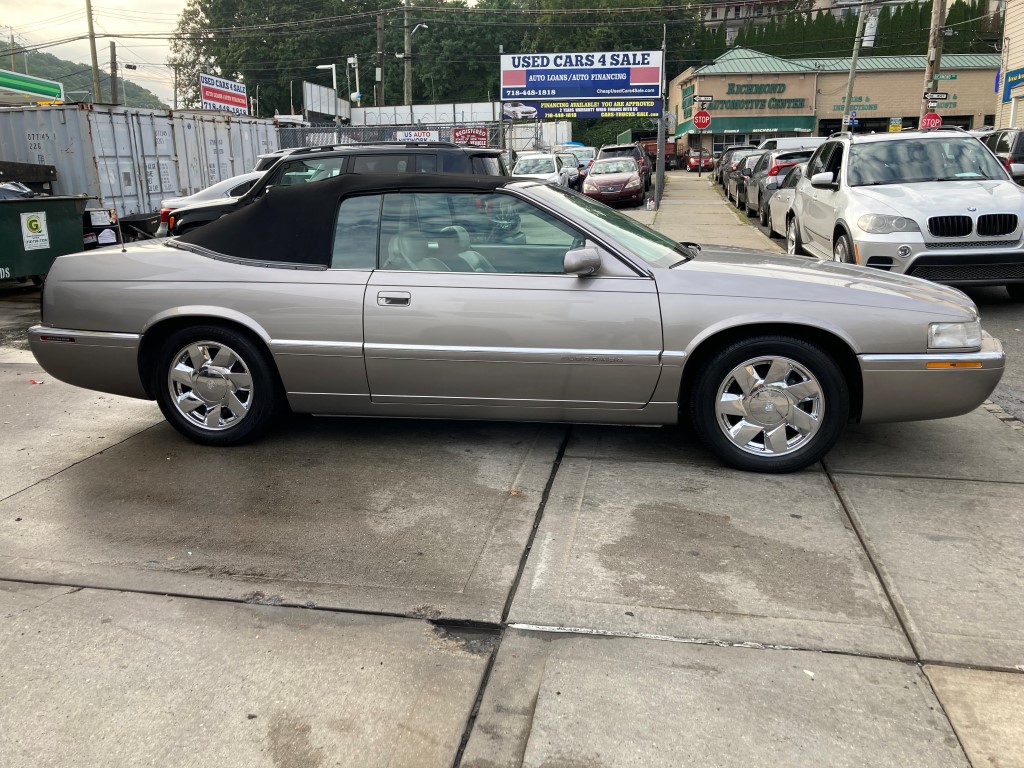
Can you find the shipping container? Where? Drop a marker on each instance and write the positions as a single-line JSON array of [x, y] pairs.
[[131, 158]]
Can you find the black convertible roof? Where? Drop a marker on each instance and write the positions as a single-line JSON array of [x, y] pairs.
[[296, 223]]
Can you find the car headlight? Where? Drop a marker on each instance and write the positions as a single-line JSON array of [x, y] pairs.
[[954, 335], [632, 184], [589, 186], [880, 224]]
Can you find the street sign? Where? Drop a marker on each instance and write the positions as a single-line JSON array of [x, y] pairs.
[[945, 77], [702, 120], [932, 104], [703, 99], [846, 119], [895, 124], [931, 120], [936, 96], [853, 113]]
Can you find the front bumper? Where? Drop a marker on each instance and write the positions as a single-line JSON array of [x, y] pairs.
[[106, 362], [623, 195], [997, 262], [904, 388]]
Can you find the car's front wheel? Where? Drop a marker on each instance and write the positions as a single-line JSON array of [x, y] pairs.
[[794, 246], [215, 385], [842, 249], [770, 404]]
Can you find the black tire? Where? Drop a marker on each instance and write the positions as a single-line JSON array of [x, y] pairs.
[[833, 405], [746, 206], [842, 250], [1016, 291], [794, 245], [762, 214], [262, 398], [771, 226]]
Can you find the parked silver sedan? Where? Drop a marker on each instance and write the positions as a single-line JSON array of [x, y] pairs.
[[496, 298]]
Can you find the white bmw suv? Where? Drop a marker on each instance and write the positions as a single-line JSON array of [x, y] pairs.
[[932, 204]]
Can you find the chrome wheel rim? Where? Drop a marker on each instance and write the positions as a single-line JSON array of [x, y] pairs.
[[791, 237], [770, 406], [839, 252], [210, 385]]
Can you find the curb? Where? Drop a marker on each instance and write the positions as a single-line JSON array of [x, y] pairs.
[[1003, 416]]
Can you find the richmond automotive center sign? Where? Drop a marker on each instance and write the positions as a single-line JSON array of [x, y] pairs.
[[226, 95], [600, 76]]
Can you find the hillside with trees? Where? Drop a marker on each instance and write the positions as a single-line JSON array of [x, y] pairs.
[[77, 79]]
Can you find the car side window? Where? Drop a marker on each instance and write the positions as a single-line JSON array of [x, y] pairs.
[[307, 170], [355, 233], [471, 232], [817, 162], [426, 163], [241, 189], [382, 163], [834, 164], [762, 164], [792, 177], [1003, 143]]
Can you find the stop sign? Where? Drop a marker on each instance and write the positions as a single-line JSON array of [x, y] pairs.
[[931, 120], [702, 120]]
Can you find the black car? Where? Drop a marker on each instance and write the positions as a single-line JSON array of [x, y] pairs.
[[724, 157], [736, 181], [769, 171], [318, 163]]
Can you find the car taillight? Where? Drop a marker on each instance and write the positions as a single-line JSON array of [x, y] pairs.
[[774, 170], [165, 215], [1010, 160]]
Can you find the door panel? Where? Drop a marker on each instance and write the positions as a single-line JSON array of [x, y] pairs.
[[507, 339]]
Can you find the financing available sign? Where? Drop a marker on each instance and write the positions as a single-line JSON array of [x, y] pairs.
[[571, 109], [599, 76], [225, 95]]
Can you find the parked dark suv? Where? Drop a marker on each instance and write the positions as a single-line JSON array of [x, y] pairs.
[[1008, 145], [634, 151], [317, 163]]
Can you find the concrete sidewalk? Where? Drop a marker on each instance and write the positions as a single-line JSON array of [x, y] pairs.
[[402, 593]]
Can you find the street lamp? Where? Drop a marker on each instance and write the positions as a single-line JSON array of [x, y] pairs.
[[334, 85], [353, 61]]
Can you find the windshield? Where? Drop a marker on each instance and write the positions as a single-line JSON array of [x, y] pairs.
[[949, 158], [535, 165], [587, 153], [653, 247], [612, 166]]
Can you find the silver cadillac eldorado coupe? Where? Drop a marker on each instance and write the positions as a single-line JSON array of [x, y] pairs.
[[494, 298]]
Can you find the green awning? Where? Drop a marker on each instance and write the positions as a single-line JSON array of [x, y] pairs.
[[772, 124]]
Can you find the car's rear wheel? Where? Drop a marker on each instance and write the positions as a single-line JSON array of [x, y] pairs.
[[794, 246], [842, 249], [1016, 291], [770, 404], [215, 385]]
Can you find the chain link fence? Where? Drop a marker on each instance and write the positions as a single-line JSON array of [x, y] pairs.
[[330, 134]]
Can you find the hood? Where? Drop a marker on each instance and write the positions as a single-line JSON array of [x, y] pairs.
[[726, 271], [613, 178], [945, 198]]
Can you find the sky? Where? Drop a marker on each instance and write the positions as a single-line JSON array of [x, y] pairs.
[[40, 21]]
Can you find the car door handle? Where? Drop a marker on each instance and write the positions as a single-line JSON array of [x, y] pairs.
[[393, 299]]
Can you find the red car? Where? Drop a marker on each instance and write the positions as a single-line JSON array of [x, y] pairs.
[[699, 160], [615, 180]]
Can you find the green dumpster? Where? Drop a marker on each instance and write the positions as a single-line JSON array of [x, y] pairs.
[[36, 230]]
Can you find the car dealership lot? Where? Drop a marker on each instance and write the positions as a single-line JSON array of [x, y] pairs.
[[389, 592]]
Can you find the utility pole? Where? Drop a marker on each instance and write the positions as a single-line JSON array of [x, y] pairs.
[[113, 73], [12, 50], [659, 184], [175, 67], [408, 57], [97, 96], [378, 88], [935, 37], [862, 18]]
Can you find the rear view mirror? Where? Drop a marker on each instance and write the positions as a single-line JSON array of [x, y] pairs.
[[825, 179], [582, 261], [771, 182]]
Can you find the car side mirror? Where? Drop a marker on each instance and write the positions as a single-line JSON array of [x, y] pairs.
[[823, 180], [771, 182], [582, 261], [747, 172]]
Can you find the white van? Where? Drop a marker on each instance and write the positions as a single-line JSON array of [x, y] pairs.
[[792, 142]]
